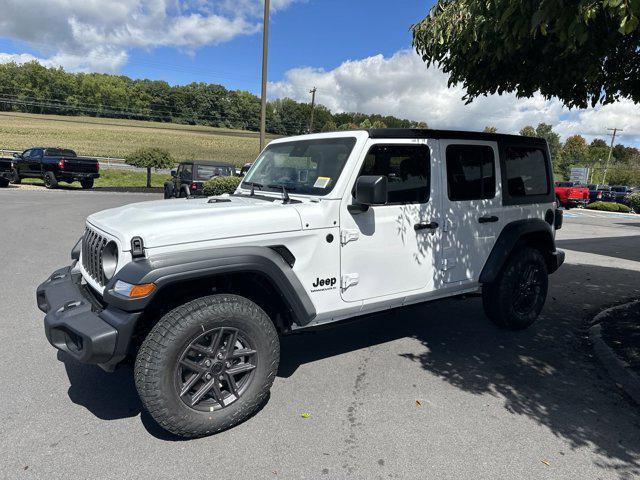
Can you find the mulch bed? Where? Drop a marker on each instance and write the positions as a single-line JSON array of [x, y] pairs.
[[621, 332]]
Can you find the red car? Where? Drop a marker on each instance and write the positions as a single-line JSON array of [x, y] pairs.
[[571, 194]]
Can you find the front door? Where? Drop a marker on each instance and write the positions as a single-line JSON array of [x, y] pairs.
[[392, 249], [472, 207]]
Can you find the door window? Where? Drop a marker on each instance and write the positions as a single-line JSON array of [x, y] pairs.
[[406, 168], [26, 155], [471, 172]]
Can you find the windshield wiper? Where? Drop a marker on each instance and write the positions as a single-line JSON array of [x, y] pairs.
[[253, 187], [285, 189]]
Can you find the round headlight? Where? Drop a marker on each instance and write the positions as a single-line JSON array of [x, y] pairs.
[[109, 260]]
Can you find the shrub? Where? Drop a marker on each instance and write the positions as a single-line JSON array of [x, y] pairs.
[[150, 158], [634, 201], [221, 185], [608, 207]]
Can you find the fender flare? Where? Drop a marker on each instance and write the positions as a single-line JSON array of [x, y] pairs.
[[509, 239], [172, 268]]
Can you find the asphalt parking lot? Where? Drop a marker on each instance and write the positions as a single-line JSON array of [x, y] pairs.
[[431, 391]]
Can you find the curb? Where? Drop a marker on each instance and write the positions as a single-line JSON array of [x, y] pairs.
[[617, 368]]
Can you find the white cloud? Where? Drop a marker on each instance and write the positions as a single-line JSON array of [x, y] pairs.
[[403, 86], [97, 35]]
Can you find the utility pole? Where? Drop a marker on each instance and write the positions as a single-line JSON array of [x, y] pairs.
[[613, 139], [313, 104], [265, 49]]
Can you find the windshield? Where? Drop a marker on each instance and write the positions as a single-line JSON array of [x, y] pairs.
[[309, 167], [205, 172], [59, 152]]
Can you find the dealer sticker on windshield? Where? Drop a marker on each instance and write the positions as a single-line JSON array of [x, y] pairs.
[[322, 182]]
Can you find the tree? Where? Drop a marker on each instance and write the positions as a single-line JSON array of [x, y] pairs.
[[598, 143], [490, 130], [150, 158], [379, 124], [528, 131], [544, 130], [330, 126], [366, 123], [422, 125], [581, 52], [575, 149]]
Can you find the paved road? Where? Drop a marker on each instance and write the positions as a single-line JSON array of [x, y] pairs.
[[494, 404]]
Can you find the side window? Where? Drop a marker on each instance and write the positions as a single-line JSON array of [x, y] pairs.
[[471, 173], [36, 154], [27, 154], [407, 168], [188, 170], [526, 172]]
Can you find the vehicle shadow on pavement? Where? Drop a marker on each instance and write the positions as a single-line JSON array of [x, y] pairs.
[[616, 247], [109, 396], [112, 396], [546, 373]]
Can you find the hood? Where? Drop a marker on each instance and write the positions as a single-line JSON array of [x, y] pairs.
[[169, 222]]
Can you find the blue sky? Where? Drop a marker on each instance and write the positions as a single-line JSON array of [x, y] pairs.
[[319, 33], [357, 52]]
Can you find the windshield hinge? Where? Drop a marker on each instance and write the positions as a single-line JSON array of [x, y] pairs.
[[347, 236]]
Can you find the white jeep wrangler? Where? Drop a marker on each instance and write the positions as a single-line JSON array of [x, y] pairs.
[[323, 228]]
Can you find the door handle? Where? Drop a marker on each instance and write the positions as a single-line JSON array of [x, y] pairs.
[[425, 226], [490, 219]]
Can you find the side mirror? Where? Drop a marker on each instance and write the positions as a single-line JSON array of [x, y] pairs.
[[174, 173], [371, 190]]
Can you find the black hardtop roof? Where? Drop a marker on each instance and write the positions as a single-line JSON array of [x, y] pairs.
[[452, 134], [212, 163]]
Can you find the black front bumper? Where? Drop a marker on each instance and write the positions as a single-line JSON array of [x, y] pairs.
[[77, 324], [7, 175], [555, 261]]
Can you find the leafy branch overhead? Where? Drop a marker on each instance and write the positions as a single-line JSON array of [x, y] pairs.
[[583, 51]]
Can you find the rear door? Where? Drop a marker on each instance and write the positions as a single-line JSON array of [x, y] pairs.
[[35, 161], [472, 207]]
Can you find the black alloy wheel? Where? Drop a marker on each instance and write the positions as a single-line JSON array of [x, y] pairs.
[[215, 369]]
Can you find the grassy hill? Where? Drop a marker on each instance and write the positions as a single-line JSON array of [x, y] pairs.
[[105, 137]]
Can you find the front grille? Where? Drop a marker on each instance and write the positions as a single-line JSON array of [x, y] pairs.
[[92, 247]]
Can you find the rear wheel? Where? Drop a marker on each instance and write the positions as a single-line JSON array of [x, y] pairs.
[[207, 365], [50, 180], [515, 299], [86, 183]]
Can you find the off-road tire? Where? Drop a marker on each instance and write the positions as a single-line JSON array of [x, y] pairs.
[[169, 190], [87, 184], [498, 297], [4, 183], [50, 180], [159, 355]]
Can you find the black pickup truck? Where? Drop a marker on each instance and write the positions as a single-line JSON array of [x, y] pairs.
[[621, 194], [6, 171], [54, 165]]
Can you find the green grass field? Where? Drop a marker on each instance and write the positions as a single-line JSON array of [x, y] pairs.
[[104, 137], [115, 178]]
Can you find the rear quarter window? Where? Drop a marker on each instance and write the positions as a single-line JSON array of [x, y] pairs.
[[526, 172]]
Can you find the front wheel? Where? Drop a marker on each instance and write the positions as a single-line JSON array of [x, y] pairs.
[[86, 183], [207, 365], [515, 299], [16, 179]]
